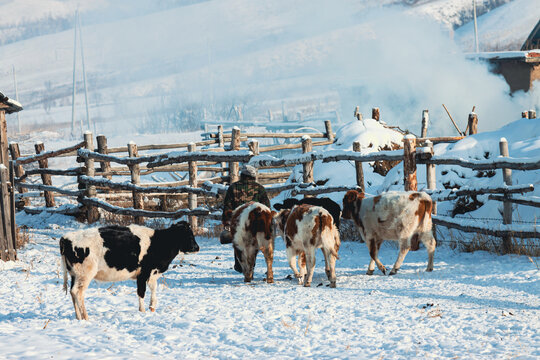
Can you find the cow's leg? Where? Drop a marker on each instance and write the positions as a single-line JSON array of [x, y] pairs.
[[374, 244], [330, 267], [73, 293], [249, 264], [403, 250], [80, 287], [269, 257], [291, 257], [429, 242], [141, 289], [310, 262], [152, 284]]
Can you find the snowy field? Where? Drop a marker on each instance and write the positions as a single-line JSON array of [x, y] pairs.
[[473, 306]]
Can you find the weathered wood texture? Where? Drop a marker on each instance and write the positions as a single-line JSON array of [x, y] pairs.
[[358, 168], [3, 139], [105, 166], [409, 163], [45, 178], [235, 145], [529, 201], [7, 242], [532, 231], [192, 199], [135, 180], [49, 154], [92, 213], [19, 171], [425, 123], [472, 124], [507, 206]]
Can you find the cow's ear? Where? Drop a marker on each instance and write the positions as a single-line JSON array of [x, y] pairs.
[[278, 206]]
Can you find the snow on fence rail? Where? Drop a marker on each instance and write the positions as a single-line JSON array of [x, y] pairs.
[[215, 159]]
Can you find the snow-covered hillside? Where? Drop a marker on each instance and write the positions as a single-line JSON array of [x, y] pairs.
[[215, 54]]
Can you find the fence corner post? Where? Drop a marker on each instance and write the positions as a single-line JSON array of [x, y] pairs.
[[472, 123], [359, 169], [329, 133], [376, 114], [507, 206], [409, 163], [192, 198], [7, 242]]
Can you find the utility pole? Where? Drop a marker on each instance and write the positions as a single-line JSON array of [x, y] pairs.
[[74, 87], [16, 98], [475, 28], [84, 75]]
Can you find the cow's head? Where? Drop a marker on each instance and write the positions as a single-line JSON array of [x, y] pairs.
[[351, 203], [184, 235]]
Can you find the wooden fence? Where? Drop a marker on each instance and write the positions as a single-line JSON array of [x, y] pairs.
[[221, 155]]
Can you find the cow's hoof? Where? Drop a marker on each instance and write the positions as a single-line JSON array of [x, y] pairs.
[[270, 281], [370, 272], [383, 270], [307, 284], [332, 284], [429, 269], [246, 280], [393, 272], [152, 309]]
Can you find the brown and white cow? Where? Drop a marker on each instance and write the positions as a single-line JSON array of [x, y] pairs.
[[307, 228], [252, 229], [400, 216]]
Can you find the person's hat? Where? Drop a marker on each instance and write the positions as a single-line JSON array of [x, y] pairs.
[[249, 170]]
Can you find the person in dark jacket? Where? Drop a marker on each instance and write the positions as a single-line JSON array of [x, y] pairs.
[[239, 193]]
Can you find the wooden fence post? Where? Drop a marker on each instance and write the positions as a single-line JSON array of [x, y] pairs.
[[532, 114], [46, 178], [409, 163], [307, 146], [357, 113], [431, 176], [19, 171], [425, 123], [359, 169], [507, 206], [253, 146], [6, 236], [472, 124], [329, 133], [3, 139], [525, 114], [92, 212], [105, 166], [235, 145], [135, 180], [192, 198], [376, 114]]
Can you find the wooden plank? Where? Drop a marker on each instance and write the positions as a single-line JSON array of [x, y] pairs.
[[447, 194], [19, 171], [358, 168], [234, 166], [491, 164], [50, 188], [522, 200], [192, 199], [507, 206], [105, 166], [45, 178], [532, 231], [4, 159], [12, 208], [48, 154]]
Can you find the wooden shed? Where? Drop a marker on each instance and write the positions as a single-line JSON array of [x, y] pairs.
[[519, 68]]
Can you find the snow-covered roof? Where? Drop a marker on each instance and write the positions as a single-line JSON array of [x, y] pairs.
[[527, 56], [9, 105]]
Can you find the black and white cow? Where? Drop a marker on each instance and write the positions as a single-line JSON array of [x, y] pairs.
[[116, 253]]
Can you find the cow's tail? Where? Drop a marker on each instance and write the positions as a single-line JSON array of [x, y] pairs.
[[425, 223], [64, 265], [331, 248]]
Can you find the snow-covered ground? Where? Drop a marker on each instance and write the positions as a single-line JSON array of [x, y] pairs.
[[474, 306]]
